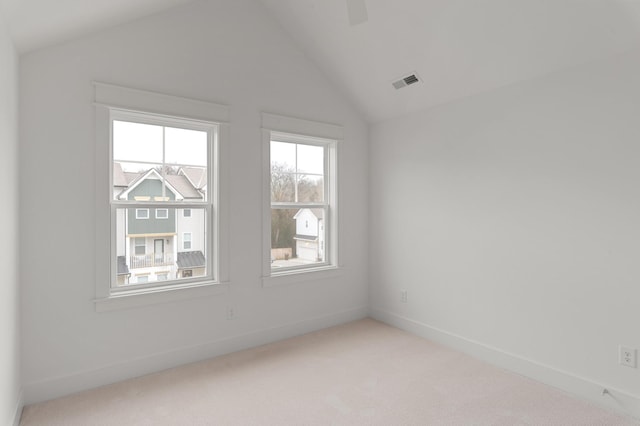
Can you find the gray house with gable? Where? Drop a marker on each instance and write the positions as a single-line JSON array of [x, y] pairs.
[[158, 244]]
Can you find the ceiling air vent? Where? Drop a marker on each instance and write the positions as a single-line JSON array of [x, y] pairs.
[[406, 81]]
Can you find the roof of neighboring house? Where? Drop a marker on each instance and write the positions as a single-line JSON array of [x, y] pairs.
[[130, 177], [123, 269], [182, 185], [197, 176], [191, 259], [305, 237], [318, 213], [119, 178], [141, 177]]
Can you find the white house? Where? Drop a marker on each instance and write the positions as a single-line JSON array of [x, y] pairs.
[[310, 235]]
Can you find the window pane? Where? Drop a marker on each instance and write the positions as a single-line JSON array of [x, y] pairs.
[[137, 142], [188, 147], [155, 248], [282, 184], [310, 189], [297, 237], [310, 159], [284, 154]]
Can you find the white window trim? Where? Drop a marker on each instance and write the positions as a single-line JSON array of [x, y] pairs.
[[139, 216], [108, 98], [166, 216], [184, 213], [307, 132]]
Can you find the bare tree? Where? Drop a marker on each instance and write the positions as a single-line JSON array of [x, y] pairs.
[[310, 189], [282, 189]]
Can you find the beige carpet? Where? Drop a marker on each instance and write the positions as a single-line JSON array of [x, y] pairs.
[[362, 373]]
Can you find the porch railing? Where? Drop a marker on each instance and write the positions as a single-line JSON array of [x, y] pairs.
[[151, 260]]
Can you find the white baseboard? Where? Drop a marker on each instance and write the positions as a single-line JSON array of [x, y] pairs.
[[615, 400], [66, 385], [17, 414]]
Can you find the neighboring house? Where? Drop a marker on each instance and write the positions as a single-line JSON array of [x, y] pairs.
[[309, 234], [197, 176], [158, 244]]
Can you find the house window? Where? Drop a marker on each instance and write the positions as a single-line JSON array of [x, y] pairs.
[[186, 241], [162, 213], [140, 246], [302, 211], [158, 153], [186, 213], [142, 279]]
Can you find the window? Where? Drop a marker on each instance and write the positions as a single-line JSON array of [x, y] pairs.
[[186, 241], [157, 156], [302, 211], [152, 159], [140, 246]]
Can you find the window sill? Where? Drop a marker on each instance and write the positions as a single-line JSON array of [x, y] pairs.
[[298, 276], [134, 299]]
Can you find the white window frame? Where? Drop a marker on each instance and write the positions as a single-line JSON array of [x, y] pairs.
[[294, 130], [114, 102], [165, 216], [139, 214], [184, 240], [184, 213]]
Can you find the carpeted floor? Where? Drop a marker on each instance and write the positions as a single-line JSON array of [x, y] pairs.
[[362, 373]]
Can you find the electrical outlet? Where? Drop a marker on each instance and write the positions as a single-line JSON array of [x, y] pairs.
[[627, 356], [403, 296], [231, 313]]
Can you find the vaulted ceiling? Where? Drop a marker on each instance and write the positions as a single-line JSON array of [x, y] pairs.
[[457, 47], [39, 23]]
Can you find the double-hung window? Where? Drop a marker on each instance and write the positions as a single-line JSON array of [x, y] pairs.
[[154, 161], [163, 183], [301, 218]]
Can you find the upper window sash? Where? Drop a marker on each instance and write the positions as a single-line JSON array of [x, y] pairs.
[[211, 129]]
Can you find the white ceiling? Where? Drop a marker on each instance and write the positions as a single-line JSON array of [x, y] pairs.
[[458, 47], [38, 23]]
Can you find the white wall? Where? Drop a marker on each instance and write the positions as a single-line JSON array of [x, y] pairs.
[[9, 300], [226, 52], [512, 219]]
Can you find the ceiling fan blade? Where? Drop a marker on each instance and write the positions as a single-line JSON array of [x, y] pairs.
[[357, 12]]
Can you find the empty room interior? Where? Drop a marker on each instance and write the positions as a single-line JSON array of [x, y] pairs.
[[418, 212]]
